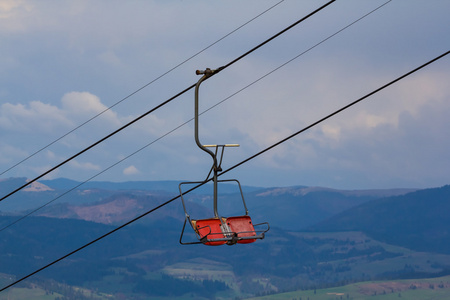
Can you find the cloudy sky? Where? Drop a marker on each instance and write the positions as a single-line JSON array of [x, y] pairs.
[[64, 62]]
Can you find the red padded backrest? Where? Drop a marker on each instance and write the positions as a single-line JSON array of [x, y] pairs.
[[211, 229], [243, 226]]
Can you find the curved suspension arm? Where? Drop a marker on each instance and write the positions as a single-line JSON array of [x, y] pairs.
[[207, 73]]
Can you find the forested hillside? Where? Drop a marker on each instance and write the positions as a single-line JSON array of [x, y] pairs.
[[418, 220], [352, 236]]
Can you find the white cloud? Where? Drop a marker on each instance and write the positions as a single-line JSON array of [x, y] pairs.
[[10, 154], [85, 165], [131, 170], [107, 53], [394, 138], [85, 105], [13, 15], [43, 118], [110, 58], [331, 132], [34, 117]]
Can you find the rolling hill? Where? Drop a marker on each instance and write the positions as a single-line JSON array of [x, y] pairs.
[[293, 208], [417, 220], [351, 236]]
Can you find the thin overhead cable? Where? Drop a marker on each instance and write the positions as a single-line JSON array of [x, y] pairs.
[[231, 168], [92, 177], [163, 103], [337, 111], [138, 90], [297, 56], [186, 122]]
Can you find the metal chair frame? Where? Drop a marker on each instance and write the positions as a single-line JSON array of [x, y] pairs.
[[229, 237]]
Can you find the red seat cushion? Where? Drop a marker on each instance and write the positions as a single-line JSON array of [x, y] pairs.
[[243, 227], [211, 229]]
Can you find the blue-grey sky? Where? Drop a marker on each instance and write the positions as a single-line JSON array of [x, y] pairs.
[[62, 62]]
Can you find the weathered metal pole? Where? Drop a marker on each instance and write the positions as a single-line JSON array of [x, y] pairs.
[[207, 73]]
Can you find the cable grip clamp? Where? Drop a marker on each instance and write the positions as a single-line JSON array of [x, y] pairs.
[[208, 72]]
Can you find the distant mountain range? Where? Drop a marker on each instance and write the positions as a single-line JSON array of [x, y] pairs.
[[292, 208], [418, 220], [319, 237]]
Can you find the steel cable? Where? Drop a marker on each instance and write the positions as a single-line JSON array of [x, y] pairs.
[[186, 122], [162, 104], [138, 90], [229, 169]]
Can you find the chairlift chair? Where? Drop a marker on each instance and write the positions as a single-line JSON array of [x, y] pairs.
[[219, 230]]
